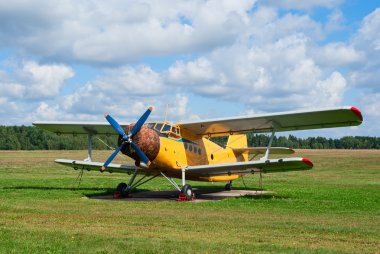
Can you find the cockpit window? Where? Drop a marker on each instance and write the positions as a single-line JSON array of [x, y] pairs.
[[166, 128], [158, 127], [150, 125]]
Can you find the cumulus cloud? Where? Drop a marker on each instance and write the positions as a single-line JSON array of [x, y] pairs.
[[367, 40], [120, 31], [126, 86], [281, 73], [303, 5], [31, 81]]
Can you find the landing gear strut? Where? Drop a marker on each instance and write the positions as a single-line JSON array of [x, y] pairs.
[[228, 186], [123, 189]]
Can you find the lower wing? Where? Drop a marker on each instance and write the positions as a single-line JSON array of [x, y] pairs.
[[265, 166], [90, 165]]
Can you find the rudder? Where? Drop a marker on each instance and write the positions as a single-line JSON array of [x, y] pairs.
[[238, 141]]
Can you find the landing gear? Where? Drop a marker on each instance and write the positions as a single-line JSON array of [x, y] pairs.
[[121, 191], [228, 186], [186, 194]]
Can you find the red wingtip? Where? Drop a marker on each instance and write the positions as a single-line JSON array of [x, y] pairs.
[[103, 168], [357, 112], [292, 150], [151, 108], [307, 161], [105, 115]]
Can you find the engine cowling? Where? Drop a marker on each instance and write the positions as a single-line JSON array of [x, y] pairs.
[[147, 139]]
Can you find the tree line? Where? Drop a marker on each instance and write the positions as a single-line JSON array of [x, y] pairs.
[[32, 138]]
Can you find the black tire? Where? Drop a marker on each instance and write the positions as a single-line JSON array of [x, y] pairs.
[[228, 187], [121, 188], [188, 191]]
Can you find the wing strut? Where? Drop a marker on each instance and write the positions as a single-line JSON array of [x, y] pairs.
[[89, 147], [265, 157]]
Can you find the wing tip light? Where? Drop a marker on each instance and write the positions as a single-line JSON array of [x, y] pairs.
[[105, 115], [151, 108], [357, 112], [308, 162]]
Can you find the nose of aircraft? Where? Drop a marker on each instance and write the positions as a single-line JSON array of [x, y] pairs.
[[148, 141]]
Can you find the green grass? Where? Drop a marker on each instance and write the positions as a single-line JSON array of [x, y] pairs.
[[334, 208]]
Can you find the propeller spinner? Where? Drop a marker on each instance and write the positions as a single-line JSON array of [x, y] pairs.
[[127, 139]]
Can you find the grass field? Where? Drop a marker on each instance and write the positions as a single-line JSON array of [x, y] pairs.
[[334, 208]]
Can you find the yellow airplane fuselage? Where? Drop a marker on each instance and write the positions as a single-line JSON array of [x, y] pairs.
[[178, 152]]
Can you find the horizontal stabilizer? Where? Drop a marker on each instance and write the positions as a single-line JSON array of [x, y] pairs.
[[266, 166], [90, 165], [262, 150]]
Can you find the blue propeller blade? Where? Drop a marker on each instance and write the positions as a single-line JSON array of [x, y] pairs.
[[113, 155], [140, 122], [141, 154], [115, 125]]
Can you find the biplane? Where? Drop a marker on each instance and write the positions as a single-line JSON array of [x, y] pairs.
[[184, 150]]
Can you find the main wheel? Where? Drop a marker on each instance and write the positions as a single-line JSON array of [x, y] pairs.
[[188, 191], [121, 190], [228, 186]]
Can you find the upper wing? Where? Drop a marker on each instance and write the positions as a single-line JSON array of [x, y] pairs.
[[262, 150], [266, 166], [78, 127], [285, 121], [90, 165]]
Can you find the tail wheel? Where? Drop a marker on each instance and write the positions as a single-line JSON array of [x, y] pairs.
[[228, 186], [187, 191]]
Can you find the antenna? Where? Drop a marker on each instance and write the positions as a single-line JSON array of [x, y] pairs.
[[166, 112]]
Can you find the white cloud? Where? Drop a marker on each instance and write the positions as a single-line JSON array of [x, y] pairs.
[[338, 55], [45, 80], [29, 80], [119, 31], [367, 40], [274, 76], [129, 88], [7, 107], [305, 5]]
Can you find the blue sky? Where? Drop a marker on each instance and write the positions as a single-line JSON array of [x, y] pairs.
[[205, 59]]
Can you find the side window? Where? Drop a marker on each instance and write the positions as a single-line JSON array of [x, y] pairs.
[[186, 146]]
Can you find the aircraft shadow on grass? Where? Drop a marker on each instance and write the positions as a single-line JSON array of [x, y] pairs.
[[110, 190], [201, 191]]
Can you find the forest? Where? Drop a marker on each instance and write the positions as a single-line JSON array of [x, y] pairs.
[[32, 138]]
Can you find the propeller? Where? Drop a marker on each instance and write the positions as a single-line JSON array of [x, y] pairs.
[[127, 138]]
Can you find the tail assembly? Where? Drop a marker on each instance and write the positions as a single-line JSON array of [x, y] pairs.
[[238, 141]]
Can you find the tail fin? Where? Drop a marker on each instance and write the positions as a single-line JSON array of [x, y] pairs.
[[238, 141]]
